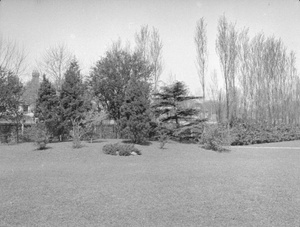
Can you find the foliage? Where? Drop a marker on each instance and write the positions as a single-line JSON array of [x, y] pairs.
[[253, 132], [214, 137], [168, 104], [153, 130], [135, 111], [48, 108], [121, 149], [190, 132], [91, 121], [11, 90], [111, 75], [76, 134], [163, 136], [38, 134], [72, 100], [5, 133], [27, 134]]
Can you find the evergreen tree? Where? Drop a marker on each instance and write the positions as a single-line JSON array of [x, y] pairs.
[[72, 99], [11, 90], [48, 108], [135, 111], [168, 104]]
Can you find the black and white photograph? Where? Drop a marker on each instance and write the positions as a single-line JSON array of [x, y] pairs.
[[145, 113]]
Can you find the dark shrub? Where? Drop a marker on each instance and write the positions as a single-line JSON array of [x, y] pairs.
[[189, 133], [5, 133], [120, 149], [153, 134]]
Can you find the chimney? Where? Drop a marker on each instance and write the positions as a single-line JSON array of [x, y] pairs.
[[35, 77]]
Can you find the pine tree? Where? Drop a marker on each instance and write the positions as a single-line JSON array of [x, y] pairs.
[[168, 104], [72, 100], [48, 108], [135, 111]]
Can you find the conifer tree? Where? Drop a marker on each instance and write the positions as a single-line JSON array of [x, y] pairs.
[[72, 101], [168, 104], [48, 107], [135, 111]]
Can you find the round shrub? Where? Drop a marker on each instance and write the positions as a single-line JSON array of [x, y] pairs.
[[214, 137], [121, 149]]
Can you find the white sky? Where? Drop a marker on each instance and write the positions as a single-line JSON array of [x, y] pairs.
[[88, 27]]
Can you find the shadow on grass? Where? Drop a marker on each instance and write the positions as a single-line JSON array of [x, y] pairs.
[[218, 149], [95, 141], [57, 141], [46, 148], [146, 143]]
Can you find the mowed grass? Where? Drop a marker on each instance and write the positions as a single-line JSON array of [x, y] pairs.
[[182, 185]]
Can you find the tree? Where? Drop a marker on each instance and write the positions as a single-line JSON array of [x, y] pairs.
[[135, 111], [201, 49], [110, 76], [168, 104], [48, 108], [72, 100], [227, 49], [12, 58], [149, 44], [55, 62], [11, 90]]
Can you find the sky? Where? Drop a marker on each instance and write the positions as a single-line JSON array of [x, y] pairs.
[[88, 28]]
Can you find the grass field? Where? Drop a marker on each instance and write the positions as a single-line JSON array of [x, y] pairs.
[[181, 185]]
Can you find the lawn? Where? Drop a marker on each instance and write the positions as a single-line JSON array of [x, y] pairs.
[[182, 185]]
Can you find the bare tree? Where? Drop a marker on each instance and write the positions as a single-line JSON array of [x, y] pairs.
[[12, 58], [202, 54], [55, 62], [227, 49], [142, 39], [156, 56], [244, 71], [215, 94], [149, 44]]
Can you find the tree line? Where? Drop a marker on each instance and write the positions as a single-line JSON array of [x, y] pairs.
[[259, 74]]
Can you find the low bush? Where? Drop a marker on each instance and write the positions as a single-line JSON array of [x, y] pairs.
[[189, 133], [163, 136], [247, 132], [28, 133], [215, 137], [153, 130], [5, 133], [121, 149], [39, 135]]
